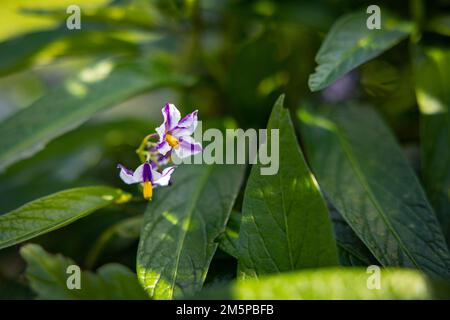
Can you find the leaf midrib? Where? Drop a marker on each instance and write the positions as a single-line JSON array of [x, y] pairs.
[[195, 199], [373, 199]]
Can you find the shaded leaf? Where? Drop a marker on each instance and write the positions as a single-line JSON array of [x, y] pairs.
[[350, 43], [17, 52], [432, 71], [181, 227], [55, 211], [366, 177], [229, 240], [48, 277], [285, 224], [96, 88], [352, 251]]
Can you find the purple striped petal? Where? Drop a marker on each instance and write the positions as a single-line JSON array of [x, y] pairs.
[[147, 172], [189, 120], [126, 175], [163, 147], [171, 116], [143, 173], [186, 126], [163, 178], [187, 146], [161, 130], [163, 159]]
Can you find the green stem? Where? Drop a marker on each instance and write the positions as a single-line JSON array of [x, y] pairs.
[[141, 151]]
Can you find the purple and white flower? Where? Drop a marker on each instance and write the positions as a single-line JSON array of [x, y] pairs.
[[175, 134], [147, 175]]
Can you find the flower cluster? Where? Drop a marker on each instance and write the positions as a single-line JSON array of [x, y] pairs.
[[173, 136]]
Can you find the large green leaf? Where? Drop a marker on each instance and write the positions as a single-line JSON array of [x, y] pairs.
[[74, 102], [285, 224], [32, 48], [350, 43], [352, 251], [17, 52], [55, 211], [48, 277], [181, 228], [367, 178], [333, 284], [432, 69]]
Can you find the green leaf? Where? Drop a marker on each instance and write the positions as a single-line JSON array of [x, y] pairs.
[[48, 277], [98, 87], [333, 284], [440, 24], [432, 70], [352, 251], [17, 52], [181, 227], [229, 240], [350, 43], [365, 175], [55, 211], [285, 224], [14, 20], [70, 161]]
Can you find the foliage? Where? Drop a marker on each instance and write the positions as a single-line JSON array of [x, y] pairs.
[[364, 139]]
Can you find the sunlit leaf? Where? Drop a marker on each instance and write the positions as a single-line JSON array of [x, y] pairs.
[[285, 224], [366, 177], [48, 277], [182, 226], [432, 70], [55, 211], [350, 43], [334, 284], [15, 21]]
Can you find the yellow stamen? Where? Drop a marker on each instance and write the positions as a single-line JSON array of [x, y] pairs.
[[172, 141], [148, 190]]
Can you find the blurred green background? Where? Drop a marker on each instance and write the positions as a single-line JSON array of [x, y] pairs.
[[239, 56]]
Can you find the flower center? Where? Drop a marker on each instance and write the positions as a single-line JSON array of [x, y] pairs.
[[171, 140], [148, 190]]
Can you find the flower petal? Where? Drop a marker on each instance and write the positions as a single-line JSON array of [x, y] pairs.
[[187, 146], [163, 159], [189, 120], [164, 177], [163, 147], [147, 172], [139, 173], [186, 126], [171, 116], [126, 175], [161, 130]]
